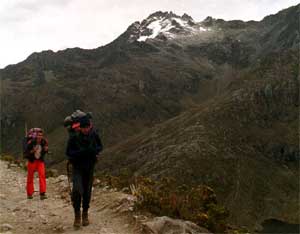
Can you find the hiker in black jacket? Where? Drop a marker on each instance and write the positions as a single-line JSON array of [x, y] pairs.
[[82, 151]]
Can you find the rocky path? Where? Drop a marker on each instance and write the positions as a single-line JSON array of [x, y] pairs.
[[109, 213]]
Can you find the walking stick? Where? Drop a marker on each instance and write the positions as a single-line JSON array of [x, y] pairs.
[[68, 175]]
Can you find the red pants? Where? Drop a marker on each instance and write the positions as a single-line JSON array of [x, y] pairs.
[[39, 166]]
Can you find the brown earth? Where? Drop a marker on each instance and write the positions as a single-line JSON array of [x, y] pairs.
[[55, 214]]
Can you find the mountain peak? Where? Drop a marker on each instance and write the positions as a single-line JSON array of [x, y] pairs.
[[187, 17], [162, 26], [161, 14]]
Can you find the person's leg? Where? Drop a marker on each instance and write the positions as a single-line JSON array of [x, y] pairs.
[[30, 178], [87, 188], [76, 195], [87, 192], [42, 178]]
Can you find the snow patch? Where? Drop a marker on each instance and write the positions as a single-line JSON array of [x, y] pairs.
[[181, 22], [163, 25], [157, 27], [142, 38]]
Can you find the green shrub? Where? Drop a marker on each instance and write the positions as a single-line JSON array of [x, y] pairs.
[[8, 158], [51, 173], [165, 198], [198, 204], [124, 179]]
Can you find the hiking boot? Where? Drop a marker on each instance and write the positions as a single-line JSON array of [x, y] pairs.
[[29, 197], [85, 218], [43, 196], [77, 220]]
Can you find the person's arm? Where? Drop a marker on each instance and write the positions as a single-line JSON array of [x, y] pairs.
[[29, 150], [30, 147], [45, 146], [99, 145], [96, 145]]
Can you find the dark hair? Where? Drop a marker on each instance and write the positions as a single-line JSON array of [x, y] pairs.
[[85, 122]]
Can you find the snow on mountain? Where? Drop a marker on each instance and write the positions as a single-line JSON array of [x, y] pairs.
[[165, 25]]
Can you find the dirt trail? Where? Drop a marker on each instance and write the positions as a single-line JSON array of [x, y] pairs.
[[108, 214]]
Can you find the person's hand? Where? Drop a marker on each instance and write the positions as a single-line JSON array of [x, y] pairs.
[[69, 161]]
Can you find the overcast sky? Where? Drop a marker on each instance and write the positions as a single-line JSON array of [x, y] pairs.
[[28, 26]]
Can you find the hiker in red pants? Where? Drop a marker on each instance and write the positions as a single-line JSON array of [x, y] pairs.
[[36, 148]]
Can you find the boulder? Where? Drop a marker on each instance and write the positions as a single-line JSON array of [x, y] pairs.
[[61, 178], [5, 227], [166, 225]]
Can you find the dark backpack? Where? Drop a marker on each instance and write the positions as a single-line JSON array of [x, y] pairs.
[[73, 122]]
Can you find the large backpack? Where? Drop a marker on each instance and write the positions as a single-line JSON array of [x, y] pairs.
[[72, 122], [30, 136]]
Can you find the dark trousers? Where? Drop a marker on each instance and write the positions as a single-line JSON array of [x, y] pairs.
[[82, 187]]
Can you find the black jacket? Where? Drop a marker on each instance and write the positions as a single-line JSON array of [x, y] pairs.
[[29, 146], [82, 149]]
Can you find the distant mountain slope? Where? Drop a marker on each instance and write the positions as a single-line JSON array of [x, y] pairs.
[[244, 144]]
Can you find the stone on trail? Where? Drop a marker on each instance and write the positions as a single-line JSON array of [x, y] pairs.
[[166, 225], [61, 178], [5, 227]]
